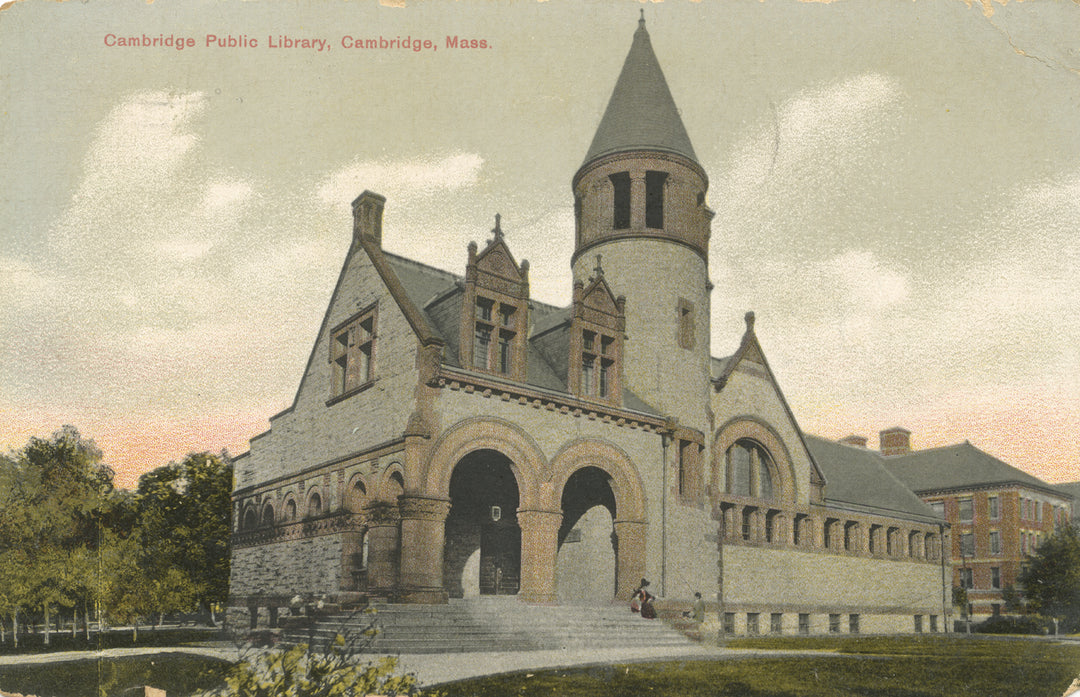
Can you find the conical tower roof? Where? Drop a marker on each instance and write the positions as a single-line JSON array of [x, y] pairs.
[[641, 114]]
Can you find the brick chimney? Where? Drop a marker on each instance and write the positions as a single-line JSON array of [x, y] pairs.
[[895, 441], [367, 217], [857, 441]]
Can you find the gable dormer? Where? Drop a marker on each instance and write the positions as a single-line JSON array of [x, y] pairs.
[[495, 310], [597, 328]]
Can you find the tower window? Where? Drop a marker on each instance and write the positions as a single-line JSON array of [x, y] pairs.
[[597, 364], [620, 183], [654, 199], [686, 323]]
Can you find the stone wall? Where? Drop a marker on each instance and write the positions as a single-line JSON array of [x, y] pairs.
[[308, 565], [313, 431]]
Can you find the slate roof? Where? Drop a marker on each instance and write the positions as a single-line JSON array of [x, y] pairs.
[[641, 114], [437, 295], [961, 466], [858, 478]]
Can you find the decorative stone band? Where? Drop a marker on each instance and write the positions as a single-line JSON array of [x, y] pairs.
[[471, 383], [323, 525]]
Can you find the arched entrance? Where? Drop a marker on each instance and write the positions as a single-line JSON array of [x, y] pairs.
[[482, 554], [588, 547]]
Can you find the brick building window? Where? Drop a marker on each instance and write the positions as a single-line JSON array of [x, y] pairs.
[[993, 505], [967, 578], [834, 624], [352, 350], [729, 623], [799, 531], [853, 624], [918, 624], [1038, 511], [752, 626], [804, 623], [654, 199], [995, 577], [995, 542], [748, 523], [967, 510], [967, 544], [933, 623], [776, 623], [620, 184]]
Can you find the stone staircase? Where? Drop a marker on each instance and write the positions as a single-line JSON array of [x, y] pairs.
[[485, 624]]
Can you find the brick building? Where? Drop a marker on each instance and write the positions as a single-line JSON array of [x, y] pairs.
[[453, 437], [998, 513]]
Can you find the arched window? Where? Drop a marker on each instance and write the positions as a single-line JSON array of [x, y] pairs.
[[314, 504], [251, 519], [290, 510], [750, 470], [268, 515]]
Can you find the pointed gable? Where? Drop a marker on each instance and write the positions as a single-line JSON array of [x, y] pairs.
[[750, 358], [597, 329], [641, 114], [495, 310]]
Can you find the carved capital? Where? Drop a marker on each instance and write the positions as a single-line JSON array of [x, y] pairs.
[[424, 508]]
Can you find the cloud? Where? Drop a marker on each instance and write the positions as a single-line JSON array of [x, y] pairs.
[[793, 171], [405, 179]]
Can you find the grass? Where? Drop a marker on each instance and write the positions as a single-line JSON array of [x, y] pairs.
[[863, 667], [176, 673], [111, 639]]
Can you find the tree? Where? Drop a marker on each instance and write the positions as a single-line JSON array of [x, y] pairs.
[[1050, 578], [184, 512], [52, 493]]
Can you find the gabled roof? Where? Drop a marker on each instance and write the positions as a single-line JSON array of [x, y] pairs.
[[641, 114], [961, 466], [859, 479]]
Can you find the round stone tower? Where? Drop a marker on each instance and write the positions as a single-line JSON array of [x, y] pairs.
[[639, 201]]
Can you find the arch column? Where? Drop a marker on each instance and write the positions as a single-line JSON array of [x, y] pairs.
[[539, 554], [630, 557], [383, 520], [423, 533]]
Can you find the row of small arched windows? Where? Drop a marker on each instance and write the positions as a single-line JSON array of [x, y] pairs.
[[315, 506]]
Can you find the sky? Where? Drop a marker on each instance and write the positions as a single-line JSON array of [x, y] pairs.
[[896, 187]]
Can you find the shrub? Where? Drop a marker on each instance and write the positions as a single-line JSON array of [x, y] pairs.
[[302, 672], [1008, 624]]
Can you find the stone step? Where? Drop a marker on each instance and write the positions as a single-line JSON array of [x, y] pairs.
[[489, 624]]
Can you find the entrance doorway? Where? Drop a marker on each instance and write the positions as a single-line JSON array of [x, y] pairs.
[[586, 568], [483, 541]]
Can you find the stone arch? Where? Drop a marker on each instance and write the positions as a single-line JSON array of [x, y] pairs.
[[527, 460], [289, 509], [752, 428], [315, 504], [267, 516], [391, 483], [250, 517], [625, 480], [356, 493]]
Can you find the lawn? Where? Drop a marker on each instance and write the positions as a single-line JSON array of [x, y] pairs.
[[867, 667], [176, 673]]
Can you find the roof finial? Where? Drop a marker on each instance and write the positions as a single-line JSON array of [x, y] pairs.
[[599, 270], [749, 317], [498, 228], [641, 22]]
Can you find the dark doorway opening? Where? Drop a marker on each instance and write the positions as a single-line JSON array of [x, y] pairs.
[[483, 540]]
